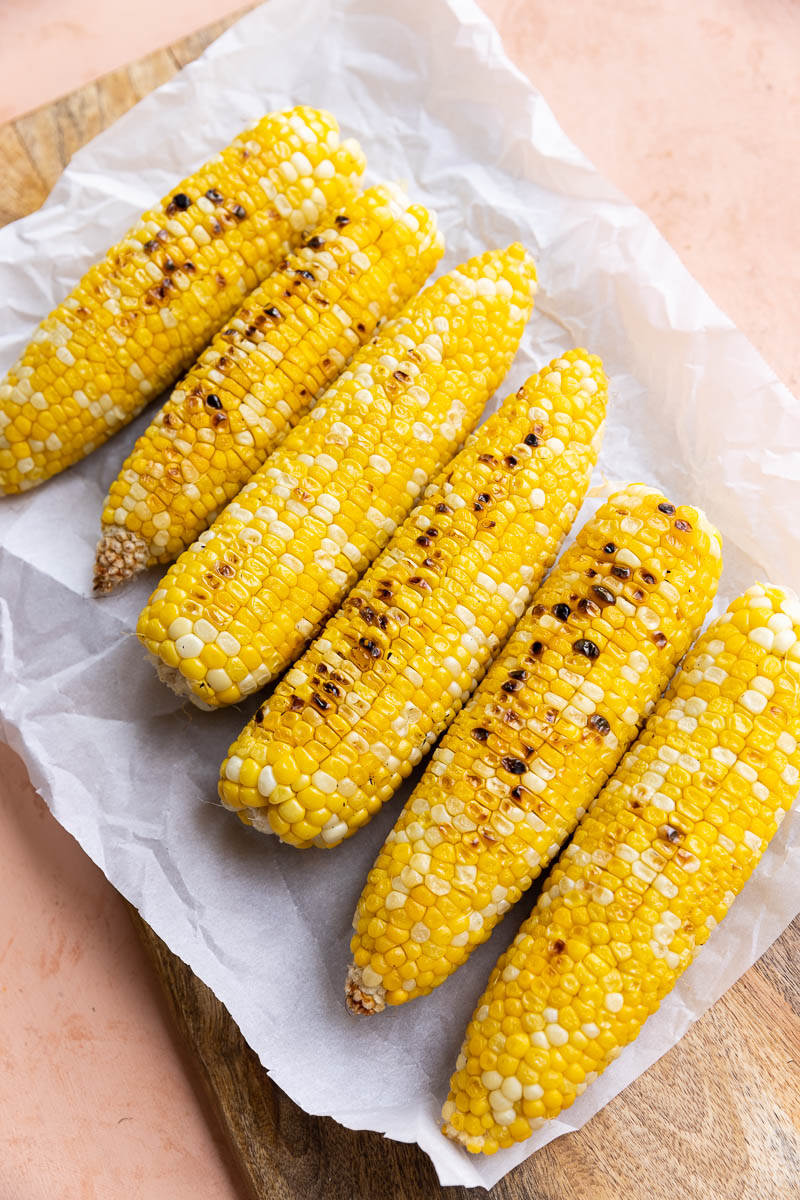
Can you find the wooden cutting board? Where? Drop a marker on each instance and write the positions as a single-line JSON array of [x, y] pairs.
[[718, 1118]]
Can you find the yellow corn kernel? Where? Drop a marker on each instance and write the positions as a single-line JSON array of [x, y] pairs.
[[284, 553], [554, 716], [138, 319], [480, 541], [291, 337], [671, 921]]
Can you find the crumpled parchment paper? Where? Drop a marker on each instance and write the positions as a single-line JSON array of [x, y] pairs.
[[426, 87]]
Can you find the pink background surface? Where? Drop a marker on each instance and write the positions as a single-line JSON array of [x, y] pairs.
[[691, 110]]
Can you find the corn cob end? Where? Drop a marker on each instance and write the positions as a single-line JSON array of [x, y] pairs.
[[120, 555], [177, 683], [362, 998]]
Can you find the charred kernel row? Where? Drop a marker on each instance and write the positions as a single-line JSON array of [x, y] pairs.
[[390, 670], [524, 759], [260, 375], [138, 319], [239, 605], [653, 867]]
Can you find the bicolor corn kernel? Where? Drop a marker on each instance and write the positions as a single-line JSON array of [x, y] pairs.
[[394, 665], [652, 869], [292, 336], [138, 319], [282, 556], [545, 729]]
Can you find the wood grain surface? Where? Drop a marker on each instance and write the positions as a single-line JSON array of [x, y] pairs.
[[718, 1118]]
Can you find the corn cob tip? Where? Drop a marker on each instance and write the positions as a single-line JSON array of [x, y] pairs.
[[177, 683], [120, 555], [363, 999]]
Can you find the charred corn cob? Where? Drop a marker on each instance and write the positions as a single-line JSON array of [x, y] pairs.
[[290, 338], [545, 729], [241, 603], [652, 869], [392, 668], [138, 319]]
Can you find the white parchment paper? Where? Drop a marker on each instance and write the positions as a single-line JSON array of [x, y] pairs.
[[426, 87]]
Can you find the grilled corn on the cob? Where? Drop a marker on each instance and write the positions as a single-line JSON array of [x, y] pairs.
[[290, 338], [391, 669], [241, 603], [138, 319], [653, 867], [545, 729]]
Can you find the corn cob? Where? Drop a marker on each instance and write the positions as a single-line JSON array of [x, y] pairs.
[[396, 662], [241, 603], [652, 869], [289, 339], [139, 318], [546, 728]]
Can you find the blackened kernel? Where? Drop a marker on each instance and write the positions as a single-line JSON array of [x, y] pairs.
[[586, 648], [669, 509], [603, 594], [599, 724], [484, 498], [588, 608], [218, 419], [181, 201], [511, 685], [295, 704], [537, 648], [531, 440], [480, 734], [538, 610], [442, 508], [621, 572], [418, 582], [189, 267], [150, 246], [306, 275], [609, 548], [214, 196], [515, 766], [559, 946], [561, 611], [259, 717], [669, 833], [516, 793], [684, 526], [591, 573], [510, 460], [239, 212], [315, 242], [519, 674], [223, 569], [213, 401], [423, 540], [401, 376], [647, 578], [638, 595], [486, 458], [331, 688], [341, 220], [659, 639], [320, 703], [170, 265]]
